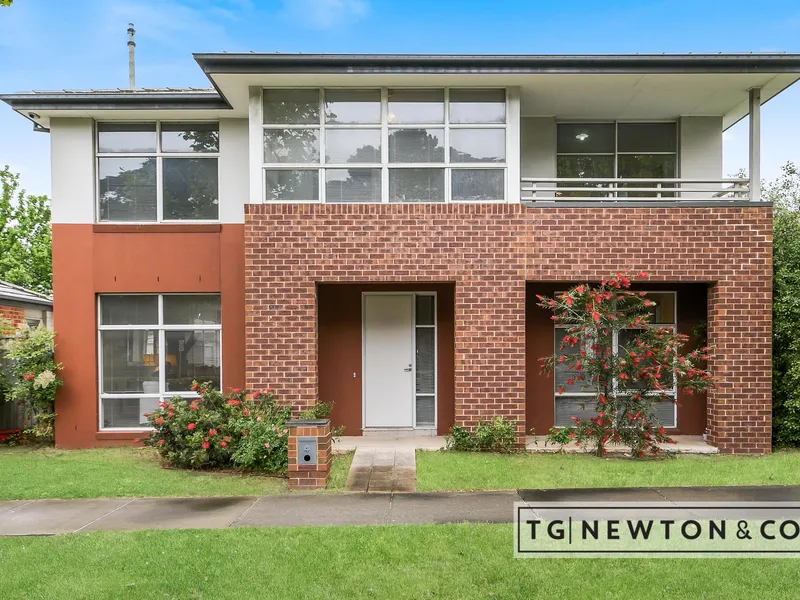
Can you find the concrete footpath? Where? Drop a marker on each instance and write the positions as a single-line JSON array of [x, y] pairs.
[[51, 517]]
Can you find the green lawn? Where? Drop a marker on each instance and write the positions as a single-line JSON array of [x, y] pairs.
[[420, 561], [32, 473], [439, 471]]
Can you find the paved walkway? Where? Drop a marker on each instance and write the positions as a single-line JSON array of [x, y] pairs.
[[383, 470], [48, 517]]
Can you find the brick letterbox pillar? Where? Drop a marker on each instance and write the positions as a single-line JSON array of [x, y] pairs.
[[309, 453]]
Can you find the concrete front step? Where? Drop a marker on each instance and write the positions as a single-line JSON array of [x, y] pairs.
[[383, 470]]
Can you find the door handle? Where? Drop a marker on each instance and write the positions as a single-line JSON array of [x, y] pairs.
[[407, 370]]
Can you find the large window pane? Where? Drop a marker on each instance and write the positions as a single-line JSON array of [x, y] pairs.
[[291, 106], [130, 361], [647, 137], [192, 310], [353, 185], [582, 407], [291, 145], [574, 167], [189, 137], [416, 145], [426, 411], [477, 145], [416, 185], [478, 184], [191, 188], [128, 412], [563, 374], [353, 146], [586, 138], [126, 137], [287, 185], [129, 310], [191, 355], [352, 106], [416, 106], [477, 106], [127, 189], [650, 166]]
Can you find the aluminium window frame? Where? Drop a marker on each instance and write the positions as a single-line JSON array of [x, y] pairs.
[[673, 392], [385, 127], [616, 153], [159, 155], [160, 328]]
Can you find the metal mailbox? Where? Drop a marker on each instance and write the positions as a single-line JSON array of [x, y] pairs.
[[307, 450]]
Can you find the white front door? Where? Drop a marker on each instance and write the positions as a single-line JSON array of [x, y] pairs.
[[388, 360]]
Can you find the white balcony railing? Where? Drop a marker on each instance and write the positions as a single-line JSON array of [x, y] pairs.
[[602, 190]]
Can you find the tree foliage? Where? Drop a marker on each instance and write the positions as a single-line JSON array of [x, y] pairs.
[[627, 365], [26, 256], [785, 194]]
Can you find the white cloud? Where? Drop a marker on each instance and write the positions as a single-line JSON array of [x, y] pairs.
[[325, 14]]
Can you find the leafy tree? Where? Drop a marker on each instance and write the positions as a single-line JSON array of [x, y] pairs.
[[26, 256], [6, 2], [785, 194], [629, 366]]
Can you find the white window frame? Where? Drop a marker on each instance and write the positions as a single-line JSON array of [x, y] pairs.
[[159, 155], [512, 151], [161, 329], [673, 393]]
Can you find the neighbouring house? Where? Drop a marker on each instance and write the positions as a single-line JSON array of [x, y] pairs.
[[372, 230], [19, 305]]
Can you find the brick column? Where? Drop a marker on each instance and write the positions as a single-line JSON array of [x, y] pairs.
[[305, 475], [490, 350], [740, 332]]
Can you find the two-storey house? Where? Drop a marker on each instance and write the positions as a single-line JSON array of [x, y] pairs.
[[372, 230]]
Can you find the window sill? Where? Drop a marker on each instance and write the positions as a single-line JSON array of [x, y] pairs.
[[128, 434], [158, 228]]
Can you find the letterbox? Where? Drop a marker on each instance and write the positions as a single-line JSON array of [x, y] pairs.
[[307, 450]]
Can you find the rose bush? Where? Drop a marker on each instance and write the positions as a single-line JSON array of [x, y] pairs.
[[220, 430]]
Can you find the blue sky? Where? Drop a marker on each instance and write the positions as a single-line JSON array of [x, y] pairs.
[[76, 44]]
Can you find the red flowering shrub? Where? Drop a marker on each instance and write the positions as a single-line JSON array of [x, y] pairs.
[[220, 430], [627, 374]]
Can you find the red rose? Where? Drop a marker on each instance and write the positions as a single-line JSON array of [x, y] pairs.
[[29, 376], [256, 395], [171, 407], [246, 412], [160, 421], [268, 390], [172, 414], [191, 426], [237, 390], [194, 386], [223, 444], [234, 402], [161, 442], [206, 445], [212, 432]]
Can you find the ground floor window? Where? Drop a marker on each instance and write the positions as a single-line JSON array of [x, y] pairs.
[[577, 398], [152, 346]]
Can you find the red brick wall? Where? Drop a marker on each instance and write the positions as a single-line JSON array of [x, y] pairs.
[[13, 314], [489, 252]]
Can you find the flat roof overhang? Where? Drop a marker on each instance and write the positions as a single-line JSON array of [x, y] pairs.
[[639, 86]]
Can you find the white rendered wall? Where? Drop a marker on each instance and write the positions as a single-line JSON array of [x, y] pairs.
[[538, 143], [234, 164], [700, 149], [72, 170]]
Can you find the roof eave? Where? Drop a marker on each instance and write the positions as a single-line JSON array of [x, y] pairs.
[[156, 101], [246, 63]]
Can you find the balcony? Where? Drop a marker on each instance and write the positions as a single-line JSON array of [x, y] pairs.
[[542, 190]]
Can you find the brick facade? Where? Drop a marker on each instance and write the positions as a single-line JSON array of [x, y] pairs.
[[13, 314], [489, 252]]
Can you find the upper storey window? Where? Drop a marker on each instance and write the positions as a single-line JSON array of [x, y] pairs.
[[384, 145], [153, 172]]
